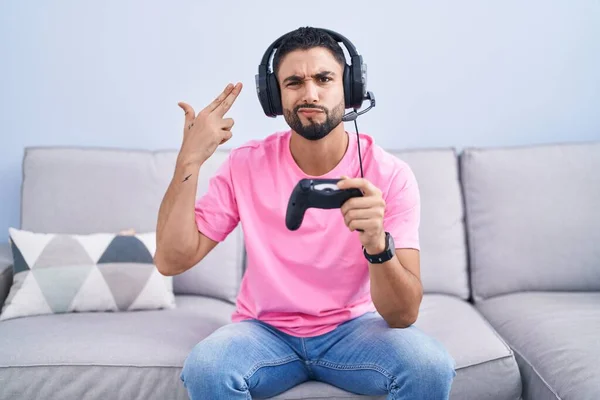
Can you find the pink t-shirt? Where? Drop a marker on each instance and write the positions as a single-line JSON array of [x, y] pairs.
[[308, 281]]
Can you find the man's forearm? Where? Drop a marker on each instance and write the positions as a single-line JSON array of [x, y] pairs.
[[176, 230], [396, 292]]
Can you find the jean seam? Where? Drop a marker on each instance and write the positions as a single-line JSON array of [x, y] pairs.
[[310, 371], [262, 364], [304, 348], [375, 367]]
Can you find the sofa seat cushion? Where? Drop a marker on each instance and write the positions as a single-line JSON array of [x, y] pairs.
[[556, 340], [486, 368], [126, 355], [139, 355]]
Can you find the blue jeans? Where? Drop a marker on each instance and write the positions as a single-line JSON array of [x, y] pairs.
[[251, 360]]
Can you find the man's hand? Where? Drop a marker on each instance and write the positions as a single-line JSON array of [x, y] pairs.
[[365, 213], [202, 133]]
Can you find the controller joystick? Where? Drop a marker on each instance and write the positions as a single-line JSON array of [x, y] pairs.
[[315, 193]]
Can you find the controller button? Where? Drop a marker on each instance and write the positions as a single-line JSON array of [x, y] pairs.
[[305, 185]]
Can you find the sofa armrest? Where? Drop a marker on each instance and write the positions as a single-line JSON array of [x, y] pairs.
[[6, 275]]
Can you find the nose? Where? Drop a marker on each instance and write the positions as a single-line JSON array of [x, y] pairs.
[[311, 93]]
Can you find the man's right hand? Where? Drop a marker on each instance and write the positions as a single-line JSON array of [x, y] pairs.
[[203, 133]]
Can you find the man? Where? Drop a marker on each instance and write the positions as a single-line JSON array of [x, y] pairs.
[[311, 306]]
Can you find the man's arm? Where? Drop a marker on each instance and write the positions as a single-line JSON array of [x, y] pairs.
[[179, 244], [396, 287]]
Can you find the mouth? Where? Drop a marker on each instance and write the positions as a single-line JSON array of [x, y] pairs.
[[309, 111]]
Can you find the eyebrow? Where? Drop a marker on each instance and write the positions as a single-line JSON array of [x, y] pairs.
[[318, 75]]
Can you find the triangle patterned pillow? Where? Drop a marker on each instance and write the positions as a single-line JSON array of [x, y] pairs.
[[65, 273]]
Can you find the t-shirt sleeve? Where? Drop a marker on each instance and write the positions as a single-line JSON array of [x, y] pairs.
[[216, 210], [403, 209]]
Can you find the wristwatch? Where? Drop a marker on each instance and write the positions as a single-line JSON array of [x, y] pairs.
[[387, 253]]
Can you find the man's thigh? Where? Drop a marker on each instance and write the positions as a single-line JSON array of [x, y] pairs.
[[366, 356], [243, 357]]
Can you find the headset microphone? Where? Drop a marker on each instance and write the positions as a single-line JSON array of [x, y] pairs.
[[351, 116]]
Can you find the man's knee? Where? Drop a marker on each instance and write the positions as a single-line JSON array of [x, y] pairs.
[[436, 367], [429, 372], [202, 364], [209, 367]]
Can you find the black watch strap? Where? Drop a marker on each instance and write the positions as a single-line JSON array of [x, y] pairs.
[[386, 255]]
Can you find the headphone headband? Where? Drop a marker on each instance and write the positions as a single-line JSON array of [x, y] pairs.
[[336, 36]]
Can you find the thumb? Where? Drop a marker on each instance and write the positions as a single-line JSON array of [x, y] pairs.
[[226, 136], [188, 110], [340, 182]]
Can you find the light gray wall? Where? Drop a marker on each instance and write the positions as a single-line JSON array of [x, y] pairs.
[[459, 73]]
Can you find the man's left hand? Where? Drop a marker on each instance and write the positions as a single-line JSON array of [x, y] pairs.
[[365, 213]]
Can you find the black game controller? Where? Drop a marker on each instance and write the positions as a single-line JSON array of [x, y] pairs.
[[315, 193]]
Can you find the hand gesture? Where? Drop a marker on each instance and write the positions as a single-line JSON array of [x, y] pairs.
[[203, 133], [365, 214]]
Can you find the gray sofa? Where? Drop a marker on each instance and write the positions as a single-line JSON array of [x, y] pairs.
[[510, 265]]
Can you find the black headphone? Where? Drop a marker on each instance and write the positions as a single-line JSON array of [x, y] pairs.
[[354, 79]]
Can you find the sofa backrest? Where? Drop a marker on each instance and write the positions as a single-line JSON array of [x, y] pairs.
[[442, 231], [89, 190], [533, 218]]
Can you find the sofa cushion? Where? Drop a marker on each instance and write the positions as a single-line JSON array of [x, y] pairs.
[[485, 365], [88, 190], [140, 355], [555, 337], [6, 275], [486, 368], [60, 273], [105, 355], [532, 217], [442, 230]]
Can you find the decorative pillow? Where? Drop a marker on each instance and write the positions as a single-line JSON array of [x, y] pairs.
[[64, 273]]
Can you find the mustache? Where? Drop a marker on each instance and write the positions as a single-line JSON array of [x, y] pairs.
[[297, 108]]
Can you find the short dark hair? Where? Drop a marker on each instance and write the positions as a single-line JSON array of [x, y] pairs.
[[305, 38]]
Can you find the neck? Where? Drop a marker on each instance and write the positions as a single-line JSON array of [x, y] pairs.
[[316, 158]]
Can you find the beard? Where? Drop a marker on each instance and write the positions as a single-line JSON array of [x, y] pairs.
[[314, 130]]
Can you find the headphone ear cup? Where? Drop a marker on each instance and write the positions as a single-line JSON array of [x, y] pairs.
[[358, 81], [347, 86], [263, 93], [274, 94]]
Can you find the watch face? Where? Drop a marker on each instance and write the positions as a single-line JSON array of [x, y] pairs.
[[390, 242], [386, 254]]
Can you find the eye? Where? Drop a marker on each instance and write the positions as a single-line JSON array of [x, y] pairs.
[[325, 79], [293, 83]]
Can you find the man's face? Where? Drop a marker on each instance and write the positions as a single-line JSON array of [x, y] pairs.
[[312, 92]]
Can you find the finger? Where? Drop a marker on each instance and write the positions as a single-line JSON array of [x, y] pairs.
[[361, 203], [226, 136], [228, 102], [188, 110], [219, 99], [366, 215], [362, 214], [363, 225], [359, 183], [227, 124]]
